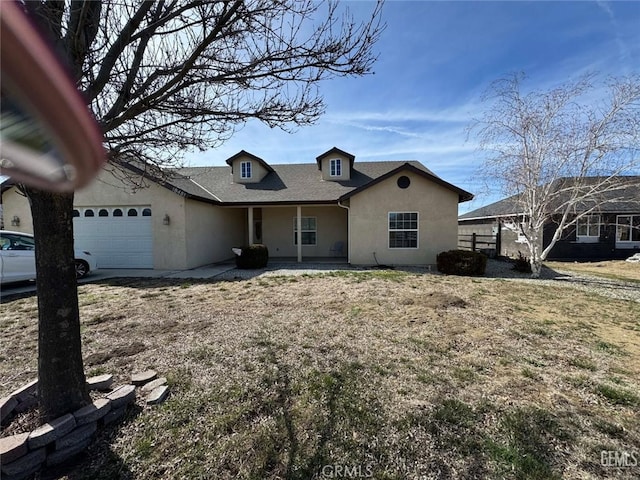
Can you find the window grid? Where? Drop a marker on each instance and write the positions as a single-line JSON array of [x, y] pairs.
[[308, 232], [335, 167], [628, 228], [403, 229], [245, 170], [588, 226]]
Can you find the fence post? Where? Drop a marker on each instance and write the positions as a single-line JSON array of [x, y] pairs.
[[499, 239], [473, 242]]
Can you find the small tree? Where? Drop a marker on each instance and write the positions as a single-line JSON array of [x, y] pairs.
[[561, 152], [161, 77]]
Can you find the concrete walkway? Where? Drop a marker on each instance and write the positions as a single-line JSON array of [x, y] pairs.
[[208, 271]]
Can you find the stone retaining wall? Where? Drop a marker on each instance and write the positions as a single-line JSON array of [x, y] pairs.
[[55, 442]]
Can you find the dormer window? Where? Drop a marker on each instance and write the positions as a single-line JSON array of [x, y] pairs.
[[335, 167], [245, 170]]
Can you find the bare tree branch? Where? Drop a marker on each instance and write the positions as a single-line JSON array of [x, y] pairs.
[[560, 152], [162, 77]]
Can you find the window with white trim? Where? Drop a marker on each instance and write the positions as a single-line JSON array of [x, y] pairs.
[[308, 232], [335, 167], [245, 170], [403, 229], [628, 228], [588, 228]]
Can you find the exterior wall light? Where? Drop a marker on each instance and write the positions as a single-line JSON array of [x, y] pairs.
[[15, 221], [166, 220]]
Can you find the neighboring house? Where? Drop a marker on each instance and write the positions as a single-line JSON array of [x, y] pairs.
[[392, 213], [611, 231]]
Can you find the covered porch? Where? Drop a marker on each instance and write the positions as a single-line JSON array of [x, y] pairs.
[[299, 233]]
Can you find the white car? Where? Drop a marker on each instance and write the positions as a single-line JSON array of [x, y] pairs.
[[18, 261]]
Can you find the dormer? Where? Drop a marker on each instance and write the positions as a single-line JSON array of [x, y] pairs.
[[335, 165], [247, 168]]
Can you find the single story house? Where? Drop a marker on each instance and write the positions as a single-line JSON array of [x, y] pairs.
[[367, 213], [610, 231]]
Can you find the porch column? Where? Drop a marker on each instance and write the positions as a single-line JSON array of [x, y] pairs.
[[250, 215], [299, 232]]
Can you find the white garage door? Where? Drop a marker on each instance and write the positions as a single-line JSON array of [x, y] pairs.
[[119, 237]]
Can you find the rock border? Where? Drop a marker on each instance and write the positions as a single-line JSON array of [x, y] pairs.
[[55, 442]]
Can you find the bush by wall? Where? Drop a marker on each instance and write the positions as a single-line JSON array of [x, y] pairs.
[[461, 262], [521, 264], [253, 256]]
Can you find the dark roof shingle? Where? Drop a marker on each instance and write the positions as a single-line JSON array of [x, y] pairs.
[[623, 197], [287, 183]]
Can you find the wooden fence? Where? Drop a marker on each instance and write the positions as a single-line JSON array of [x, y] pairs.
[[475, 242]]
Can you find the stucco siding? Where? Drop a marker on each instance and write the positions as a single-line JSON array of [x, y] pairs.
[[167, 239], [437, 209], [325, 165], [277, 230], [212, 232], [258, 172], [14, 204]]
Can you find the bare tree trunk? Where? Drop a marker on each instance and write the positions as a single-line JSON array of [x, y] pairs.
[[61, 380], [536, 266]]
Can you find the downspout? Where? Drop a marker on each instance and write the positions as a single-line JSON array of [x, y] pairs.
[[348, 231]]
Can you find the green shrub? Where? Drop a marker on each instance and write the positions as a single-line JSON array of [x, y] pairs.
[[253, 256], [461, 262]]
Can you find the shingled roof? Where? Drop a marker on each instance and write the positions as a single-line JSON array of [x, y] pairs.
[[291, 183], [625, 198]]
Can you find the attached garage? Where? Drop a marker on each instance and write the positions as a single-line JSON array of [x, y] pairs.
[[119, 237]]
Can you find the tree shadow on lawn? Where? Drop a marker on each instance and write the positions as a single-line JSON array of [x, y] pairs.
[[295, 423]]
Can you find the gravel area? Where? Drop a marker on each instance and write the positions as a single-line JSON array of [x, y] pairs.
[[587, 283], [495, 269]]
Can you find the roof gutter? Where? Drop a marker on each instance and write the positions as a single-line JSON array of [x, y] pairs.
[[488, 217]]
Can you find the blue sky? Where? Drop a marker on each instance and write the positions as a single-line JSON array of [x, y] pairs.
[[436, 58]]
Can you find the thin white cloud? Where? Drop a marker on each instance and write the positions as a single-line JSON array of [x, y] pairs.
[[460, 114], [623, 50]]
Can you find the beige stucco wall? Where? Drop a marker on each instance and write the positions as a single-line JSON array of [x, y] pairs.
[[277, 230], [15, 204], [104, 192], [437, 209], [258, 172], [211, 233], [184, 243], [325, 164]]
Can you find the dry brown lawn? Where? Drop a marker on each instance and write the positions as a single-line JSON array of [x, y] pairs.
[[616, 269], [400, 375]]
